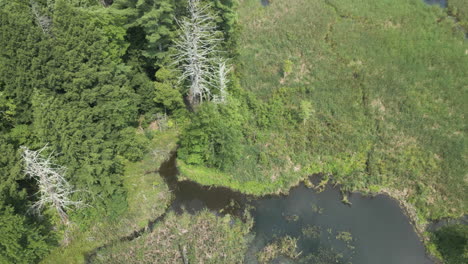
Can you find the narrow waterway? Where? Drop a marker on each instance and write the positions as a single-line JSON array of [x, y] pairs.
[[371, 230]]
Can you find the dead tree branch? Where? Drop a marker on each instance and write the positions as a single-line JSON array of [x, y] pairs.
[[54, 190]]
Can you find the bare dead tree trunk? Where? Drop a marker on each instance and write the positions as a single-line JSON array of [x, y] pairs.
[[196, 50], [54, 190]]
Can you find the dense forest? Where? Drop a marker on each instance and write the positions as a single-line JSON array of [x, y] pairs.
[[97, 94]]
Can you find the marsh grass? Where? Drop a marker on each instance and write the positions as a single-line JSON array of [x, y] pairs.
[[185, 238], [387, 82], [387, 87], [284, 246]]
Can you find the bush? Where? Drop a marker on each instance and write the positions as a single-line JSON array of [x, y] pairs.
[[214, 138], [452, 243]]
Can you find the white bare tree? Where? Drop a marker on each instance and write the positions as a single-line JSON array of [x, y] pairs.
[[42, 20], [196, 51], [54, 190], [221, 82]]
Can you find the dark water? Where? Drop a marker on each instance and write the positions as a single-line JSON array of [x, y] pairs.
[[380, 231], [463, 220], [192, 197], [441, 3]]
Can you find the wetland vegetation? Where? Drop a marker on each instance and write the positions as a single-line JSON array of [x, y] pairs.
[[164, 150]]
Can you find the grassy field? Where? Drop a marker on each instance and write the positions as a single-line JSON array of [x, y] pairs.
[[147, 196], [371, 92], [200, 238]]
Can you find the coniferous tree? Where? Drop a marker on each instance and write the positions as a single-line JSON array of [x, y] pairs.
[[85, 99], [21, 241]]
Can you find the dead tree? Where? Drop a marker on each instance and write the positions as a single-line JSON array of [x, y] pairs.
[[221, 81], [43, 21], [54, 190], [196, 51]]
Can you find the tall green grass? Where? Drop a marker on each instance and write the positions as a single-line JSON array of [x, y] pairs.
[[387, 86]]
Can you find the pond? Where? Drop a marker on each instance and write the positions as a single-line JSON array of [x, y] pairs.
[[371, 230]]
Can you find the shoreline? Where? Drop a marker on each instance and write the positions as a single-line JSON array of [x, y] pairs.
[[420, 226]]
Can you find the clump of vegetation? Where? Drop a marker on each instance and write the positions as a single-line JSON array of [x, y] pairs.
[[307, 111], [322, 256], [291, 218], [459, 9], [311, 232], [287, 68], [344, 236], [320, 187], [285, 246], [200, 238], [214, 137], [452, 243], [345, 198], [317, 209]]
